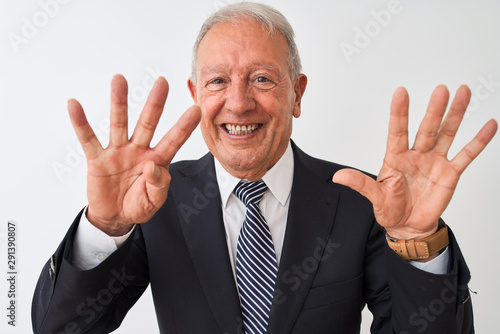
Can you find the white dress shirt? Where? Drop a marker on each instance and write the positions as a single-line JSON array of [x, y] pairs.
[[274, 204], [92, 246]]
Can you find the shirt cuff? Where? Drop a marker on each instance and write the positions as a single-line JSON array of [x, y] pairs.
[[438, 265], [92, 246]]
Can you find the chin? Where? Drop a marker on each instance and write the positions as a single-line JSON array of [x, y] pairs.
[[243, 164]]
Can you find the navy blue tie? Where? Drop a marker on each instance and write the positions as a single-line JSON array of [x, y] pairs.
[[256, 266]]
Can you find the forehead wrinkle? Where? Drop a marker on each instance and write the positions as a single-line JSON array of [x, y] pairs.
[[253, 66], [243, 42], [267, 66], [214, 68]]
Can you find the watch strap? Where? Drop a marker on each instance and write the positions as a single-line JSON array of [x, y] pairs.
[[420, 249]]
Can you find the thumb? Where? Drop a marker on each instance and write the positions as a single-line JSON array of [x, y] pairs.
[[157, 183], [359, 182]]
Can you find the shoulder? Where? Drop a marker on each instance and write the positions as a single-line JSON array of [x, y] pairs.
[[322, 168], [189, 167], [314, 173]]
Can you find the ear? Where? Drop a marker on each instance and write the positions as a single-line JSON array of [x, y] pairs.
[[299, 87], [192, 90]]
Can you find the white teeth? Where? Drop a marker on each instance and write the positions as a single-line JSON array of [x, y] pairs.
[[240, 130]]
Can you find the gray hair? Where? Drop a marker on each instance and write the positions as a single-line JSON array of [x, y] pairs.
[[270, 19]]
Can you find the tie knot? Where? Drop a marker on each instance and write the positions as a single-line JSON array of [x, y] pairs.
[[250, 192]]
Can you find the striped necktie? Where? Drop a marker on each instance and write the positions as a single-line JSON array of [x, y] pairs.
[[256, 266]]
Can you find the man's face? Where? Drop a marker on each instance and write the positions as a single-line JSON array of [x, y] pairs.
[[246, 95]]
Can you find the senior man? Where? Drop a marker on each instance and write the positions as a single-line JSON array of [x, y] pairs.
[[255, 237]]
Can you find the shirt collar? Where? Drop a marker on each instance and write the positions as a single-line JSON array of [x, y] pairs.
[[278, 179]]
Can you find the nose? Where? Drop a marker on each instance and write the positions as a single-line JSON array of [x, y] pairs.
[[239, 98]]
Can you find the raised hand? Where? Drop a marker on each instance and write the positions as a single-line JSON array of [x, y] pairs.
[[415, 185], [128, 181]]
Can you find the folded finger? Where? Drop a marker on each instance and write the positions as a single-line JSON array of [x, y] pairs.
[[361, 183], [157, 183]]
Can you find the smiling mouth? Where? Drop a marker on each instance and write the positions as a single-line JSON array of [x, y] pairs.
[[240, 130]]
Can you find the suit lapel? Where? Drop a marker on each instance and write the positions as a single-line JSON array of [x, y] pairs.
[[312, 210], [311, 214], [199, 204]]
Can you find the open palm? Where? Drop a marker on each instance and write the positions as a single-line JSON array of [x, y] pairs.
[[414, 186], [128, 181]]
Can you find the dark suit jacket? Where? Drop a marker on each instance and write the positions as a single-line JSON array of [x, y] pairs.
[[334, 261]]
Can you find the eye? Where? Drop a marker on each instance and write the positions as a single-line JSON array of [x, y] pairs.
[[263, 82], [217, 81], [216, 84]]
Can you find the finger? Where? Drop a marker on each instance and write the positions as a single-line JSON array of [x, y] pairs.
[[86, 136], [452, 120], [179, 133], [428, 130], [397, 140], [157, 183], [146, 125], [475, 146], [361, 183], [118, 131]]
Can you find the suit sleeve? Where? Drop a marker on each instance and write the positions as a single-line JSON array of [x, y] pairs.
[[405, 299], [69, 300]]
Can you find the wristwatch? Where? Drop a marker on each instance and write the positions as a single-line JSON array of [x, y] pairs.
[[421, 249]]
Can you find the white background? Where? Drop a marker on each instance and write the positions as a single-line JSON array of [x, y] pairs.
[[76, 49]]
